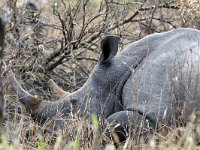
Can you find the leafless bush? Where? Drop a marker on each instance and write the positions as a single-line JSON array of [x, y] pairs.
[[66, 48], [2, 34], [61, 42], [190, 13]]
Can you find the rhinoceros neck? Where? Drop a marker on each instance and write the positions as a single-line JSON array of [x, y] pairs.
[[103, 88]]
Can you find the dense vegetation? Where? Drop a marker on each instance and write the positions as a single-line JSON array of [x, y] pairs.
[[59, 40]]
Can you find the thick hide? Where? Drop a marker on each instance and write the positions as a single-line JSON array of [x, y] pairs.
[[153, 82]]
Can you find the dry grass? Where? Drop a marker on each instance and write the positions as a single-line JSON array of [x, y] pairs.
[[29, 52]]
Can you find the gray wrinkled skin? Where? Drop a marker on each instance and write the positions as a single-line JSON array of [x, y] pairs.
[[153, 81], [166, 85], [164, 88]]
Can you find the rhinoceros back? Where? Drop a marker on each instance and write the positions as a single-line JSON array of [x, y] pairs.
[[165, 86]]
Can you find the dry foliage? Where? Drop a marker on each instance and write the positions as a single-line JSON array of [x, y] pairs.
[[59, 40]]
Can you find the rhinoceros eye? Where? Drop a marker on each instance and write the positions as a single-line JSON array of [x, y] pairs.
[[73, 102]]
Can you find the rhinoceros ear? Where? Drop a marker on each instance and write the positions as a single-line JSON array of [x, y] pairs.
[[109, 47]]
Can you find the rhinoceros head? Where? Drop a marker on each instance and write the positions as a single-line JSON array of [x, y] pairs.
[[97, 95]]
